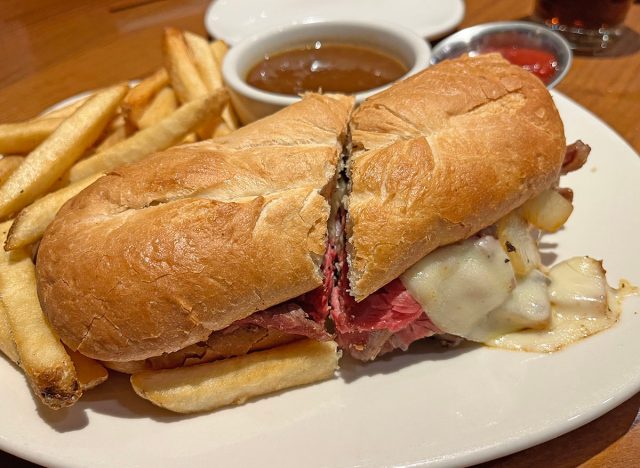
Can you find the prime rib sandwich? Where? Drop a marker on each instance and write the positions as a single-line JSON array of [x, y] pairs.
[[209, 250], [452, 174], [410, 218]]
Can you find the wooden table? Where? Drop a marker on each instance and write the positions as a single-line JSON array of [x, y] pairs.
[[50, 50]]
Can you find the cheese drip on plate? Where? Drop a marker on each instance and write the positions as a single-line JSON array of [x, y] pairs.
[[583, 304], [470, 289]]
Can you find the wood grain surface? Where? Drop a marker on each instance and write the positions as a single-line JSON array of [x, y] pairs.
[[51, 49]]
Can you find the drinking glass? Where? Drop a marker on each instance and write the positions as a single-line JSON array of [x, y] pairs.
[[588, 25]]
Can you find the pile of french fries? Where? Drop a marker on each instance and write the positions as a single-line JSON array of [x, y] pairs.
[[51, 158]]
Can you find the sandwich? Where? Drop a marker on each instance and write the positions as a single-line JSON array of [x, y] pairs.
[[210, 250], [416, 215], [453, 176]]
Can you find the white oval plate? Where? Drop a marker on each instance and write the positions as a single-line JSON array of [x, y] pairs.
[[429, 405], [233, 20]]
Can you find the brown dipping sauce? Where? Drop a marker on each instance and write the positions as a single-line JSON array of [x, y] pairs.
[[339, 68]]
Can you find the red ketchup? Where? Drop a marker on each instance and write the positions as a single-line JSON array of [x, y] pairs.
[[541, 63]]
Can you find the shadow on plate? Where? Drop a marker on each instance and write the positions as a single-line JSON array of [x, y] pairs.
[[63, 420], [548, 255], [116, 398], [420, 351]]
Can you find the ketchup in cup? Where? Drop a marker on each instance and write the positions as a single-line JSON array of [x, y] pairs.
[[541, 63]]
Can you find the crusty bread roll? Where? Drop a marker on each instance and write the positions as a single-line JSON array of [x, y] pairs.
[[152, 258], [441, 155], [155, 256], [219, 345]]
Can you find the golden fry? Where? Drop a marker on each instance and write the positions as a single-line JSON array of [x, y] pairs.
[[7, 346], [163, 104], [190, 138], [210, 72], [209, 386], [164, 134], [42, 356], [43, 166], [183, 74], [139, 97], [221, 130], [204, 61], [115, 132], [219, 49], [31, 222], [90, 372], [230, 118], [116, 135], [23, 137], [8, 165]]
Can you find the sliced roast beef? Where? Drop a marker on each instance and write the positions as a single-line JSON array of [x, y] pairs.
[[388, 319], [575, 156], [289, 317]]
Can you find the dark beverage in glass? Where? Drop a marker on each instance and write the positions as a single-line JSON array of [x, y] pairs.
[[589, 25]]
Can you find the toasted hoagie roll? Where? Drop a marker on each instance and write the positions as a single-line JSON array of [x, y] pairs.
[[156, 256]]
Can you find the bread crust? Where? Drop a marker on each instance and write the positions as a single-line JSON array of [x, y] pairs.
[[441, 155], [155, 256], [218, 346]]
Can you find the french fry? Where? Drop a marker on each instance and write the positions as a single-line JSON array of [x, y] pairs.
[[163, 104], [7, 346], [219, 49], [115, 132], [31, 222], [229, 117], [190, 138], [209, 386], [115, 135], [43, 166], [23, 137], [164, 134], [8, 165], [209, 69], [42, 356], [139, 97], [90, 372], [204, 61], [221, 130], [183, 73]]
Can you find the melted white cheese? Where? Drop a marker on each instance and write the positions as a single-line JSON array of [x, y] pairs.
[[527, 306], [458, 285], [583, 304], [470, 290]]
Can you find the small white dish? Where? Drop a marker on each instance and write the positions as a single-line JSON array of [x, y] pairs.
[[252, 103], [234, 20]]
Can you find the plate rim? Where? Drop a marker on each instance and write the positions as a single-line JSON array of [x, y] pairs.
[[457, 16], [30, 452]]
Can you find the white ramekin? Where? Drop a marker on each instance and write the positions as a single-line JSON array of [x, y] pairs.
[[252, 103]]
